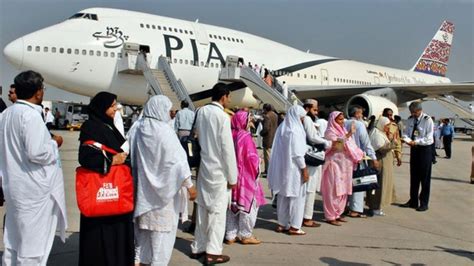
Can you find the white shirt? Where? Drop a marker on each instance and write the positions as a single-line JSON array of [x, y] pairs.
[[32, 178], [285, 90], [49, 118], [184, 119], [424, 130], [312, 134], [218, 164]]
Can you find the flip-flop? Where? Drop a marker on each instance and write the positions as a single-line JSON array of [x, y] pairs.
[[341, 219], [356, 215], [281, 229], [313, 224], [216, 259], [334, 222], [298, 232]]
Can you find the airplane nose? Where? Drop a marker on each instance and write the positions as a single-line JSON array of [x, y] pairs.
[[14, 52]]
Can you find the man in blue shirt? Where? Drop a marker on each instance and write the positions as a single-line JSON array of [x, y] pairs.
[[447, 133]]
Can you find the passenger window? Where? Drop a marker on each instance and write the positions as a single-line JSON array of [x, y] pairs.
[[159, 27], [98, 53], [185, 31], [119, 55], [210, 36], [186, 61], [180, 31], [106, 54], [202, 63], [147, 26], [215, 37], [233, 39], [112, 54], [61, 50], [37, 49], [220, 38], [84, 52], [91, 52], [53, 49], [30, 48], [175, 60], [69, 50], [298, 75], [180, 61], [45, 49], [76, 51], [141, 25], [153, 27], [190, 32], [212, 64], [175, 30]]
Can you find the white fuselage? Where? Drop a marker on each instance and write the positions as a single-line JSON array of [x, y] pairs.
[[81, 55]]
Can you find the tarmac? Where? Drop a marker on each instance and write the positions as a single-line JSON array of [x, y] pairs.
[[441, 236]]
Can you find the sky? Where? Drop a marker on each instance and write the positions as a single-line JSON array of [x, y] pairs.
[[392, 32]]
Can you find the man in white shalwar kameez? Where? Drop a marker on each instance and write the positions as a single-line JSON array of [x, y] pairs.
[[314, 184], [32, 177], [217, 175], [288, 174], [161, 169]]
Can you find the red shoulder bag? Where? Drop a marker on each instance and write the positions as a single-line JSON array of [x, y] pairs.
[[104, 195]]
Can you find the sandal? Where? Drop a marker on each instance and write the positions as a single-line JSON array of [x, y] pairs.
[[216, 259], [311, 224], [297, 232], [356, 215], [250, 241], [196, 256], [341, 219], [281, 229], [334, 222]]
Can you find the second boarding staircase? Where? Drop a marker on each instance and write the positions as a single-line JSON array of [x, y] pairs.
[[232, 72], [464, 114]]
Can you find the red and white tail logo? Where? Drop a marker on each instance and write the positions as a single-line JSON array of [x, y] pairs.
[[434, 60]]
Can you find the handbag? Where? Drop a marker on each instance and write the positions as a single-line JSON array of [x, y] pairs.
[[191, 146], [364, 179], [314, 156], [104, 195]]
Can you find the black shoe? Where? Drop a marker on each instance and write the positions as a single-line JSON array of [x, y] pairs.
[[408, 205], [422, 208]]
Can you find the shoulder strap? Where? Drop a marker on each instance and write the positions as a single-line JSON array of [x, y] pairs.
[[100, 146]]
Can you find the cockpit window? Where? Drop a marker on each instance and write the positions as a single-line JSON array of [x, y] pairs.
[[84, 16]]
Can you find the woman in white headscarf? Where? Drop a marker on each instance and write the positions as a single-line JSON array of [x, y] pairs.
[[287, 173], [384, 151], [161, 169]]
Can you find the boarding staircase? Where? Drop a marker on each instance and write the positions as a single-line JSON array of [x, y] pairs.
[[232, 72], [161, 80], [462, 112]]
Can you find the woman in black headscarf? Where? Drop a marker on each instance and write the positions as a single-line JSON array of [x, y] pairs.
[[107, 240]]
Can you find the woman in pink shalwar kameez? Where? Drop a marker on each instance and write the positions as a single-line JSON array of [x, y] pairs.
[[248, 195], [336, 183]]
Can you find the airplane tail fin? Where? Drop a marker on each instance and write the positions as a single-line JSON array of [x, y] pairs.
[[434, 60]]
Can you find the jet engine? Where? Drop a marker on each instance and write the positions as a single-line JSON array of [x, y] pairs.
[[372, 105]]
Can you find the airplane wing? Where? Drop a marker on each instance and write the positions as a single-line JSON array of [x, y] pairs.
[[340, 94]]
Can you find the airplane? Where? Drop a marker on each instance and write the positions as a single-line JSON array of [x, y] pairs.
[[82, 54]]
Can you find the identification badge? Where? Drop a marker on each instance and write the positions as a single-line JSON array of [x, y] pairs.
[[416, 133]]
